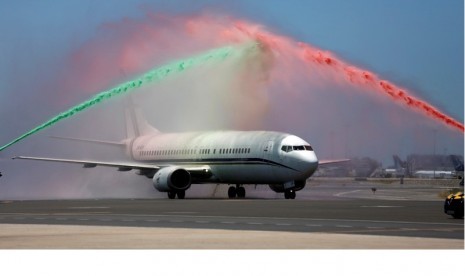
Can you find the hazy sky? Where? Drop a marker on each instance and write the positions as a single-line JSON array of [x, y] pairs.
[[417, 45]]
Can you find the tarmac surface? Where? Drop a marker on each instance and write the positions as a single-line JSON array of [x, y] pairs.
[[335, 215]]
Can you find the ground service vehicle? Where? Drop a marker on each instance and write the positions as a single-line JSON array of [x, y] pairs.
[[454, 205]]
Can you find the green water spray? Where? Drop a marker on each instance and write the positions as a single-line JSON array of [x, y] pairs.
[[154, 75]]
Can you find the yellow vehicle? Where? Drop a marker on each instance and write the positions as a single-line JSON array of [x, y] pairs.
[[454, 205]]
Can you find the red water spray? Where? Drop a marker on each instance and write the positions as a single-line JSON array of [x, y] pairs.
[[240, 30], [160, 35]]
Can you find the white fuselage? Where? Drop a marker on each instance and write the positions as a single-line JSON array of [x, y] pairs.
[[239, 157]]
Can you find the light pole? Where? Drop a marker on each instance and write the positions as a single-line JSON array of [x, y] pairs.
[[434, 152]]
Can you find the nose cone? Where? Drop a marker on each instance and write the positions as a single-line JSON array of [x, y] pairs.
[[300, 156], [307, 163]]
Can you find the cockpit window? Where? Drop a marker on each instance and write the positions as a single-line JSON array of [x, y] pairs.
[[287, 148]]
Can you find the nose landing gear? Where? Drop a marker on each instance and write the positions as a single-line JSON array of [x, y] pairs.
[[238, 191], [289, 194]]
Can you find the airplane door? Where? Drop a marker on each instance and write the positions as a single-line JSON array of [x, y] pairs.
[[268, 150], [268, 155]]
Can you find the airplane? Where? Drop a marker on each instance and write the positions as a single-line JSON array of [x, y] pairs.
[[434, 174], [174, 161], [458, 165]]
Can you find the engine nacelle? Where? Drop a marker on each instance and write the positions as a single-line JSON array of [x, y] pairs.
[[279, 188], [172, 179]]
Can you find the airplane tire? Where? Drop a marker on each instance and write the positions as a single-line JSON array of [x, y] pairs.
[[240, 192], [292, 194], [289, 194], [171, 195], [181, 194], [232, 192]]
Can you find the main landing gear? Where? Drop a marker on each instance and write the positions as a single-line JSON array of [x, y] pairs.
[[173, 194], [238, 191], [289, 194]]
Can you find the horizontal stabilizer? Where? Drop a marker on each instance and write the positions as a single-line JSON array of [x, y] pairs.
[[103, 142], [330, 162]]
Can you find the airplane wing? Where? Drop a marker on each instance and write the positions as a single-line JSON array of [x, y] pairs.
[[91, 164], [330, 162], [202, 171]]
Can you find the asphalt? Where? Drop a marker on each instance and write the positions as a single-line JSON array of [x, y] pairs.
[[367, 217], [351, 210]]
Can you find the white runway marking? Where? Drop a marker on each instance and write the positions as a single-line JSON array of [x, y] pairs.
[[296, 218], [381, 206], [283, 224], [89, 207], [201, 221], [180, 212], [254, 223], [227, 222], [343, 226], [313, 225], [282, 218], [345, 193]]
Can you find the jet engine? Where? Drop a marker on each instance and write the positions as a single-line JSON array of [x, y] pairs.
[[172, 179], [279, 188]]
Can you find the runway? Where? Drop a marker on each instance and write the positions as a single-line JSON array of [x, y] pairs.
[[336, 214]]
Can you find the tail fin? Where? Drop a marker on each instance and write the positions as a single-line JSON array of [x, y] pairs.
[[136, 125], [398, 163], [458, 164]]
